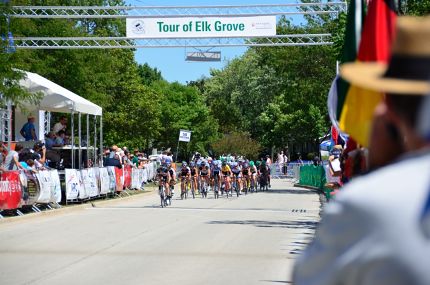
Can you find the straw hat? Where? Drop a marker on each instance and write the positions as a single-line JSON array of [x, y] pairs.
[[408, 72]]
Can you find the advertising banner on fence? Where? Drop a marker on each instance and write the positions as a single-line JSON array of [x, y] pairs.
[[90, 182], [10, 190], [193, 27], [127, 176], [104, 181], [83, 193], [30, 187], [119, 179], [136, 178], [73, 185], [55, 178], [44, 178], [112, 178]]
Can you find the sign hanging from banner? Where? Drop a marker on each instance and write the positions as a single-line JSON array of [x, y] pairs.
[[264, 26], [184, 136]]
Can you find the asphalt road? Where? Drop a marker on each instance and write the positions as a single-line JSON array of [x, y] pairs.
[[252, 239]]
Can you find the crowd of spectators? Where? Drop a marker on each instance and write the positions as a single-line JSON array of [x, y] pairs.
[[119, 157]]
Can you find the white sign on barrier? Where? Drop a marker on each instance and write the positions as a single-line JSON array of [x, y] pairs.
[[90, 182], [199, 27], [104, 181], [112, 178], [55, 178], [83, 194], [46, 187], [135, 178], [73, 186]]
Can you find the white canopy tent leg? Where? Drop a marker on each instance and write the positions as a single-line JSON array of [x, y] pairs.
[[101, 142], [95, 141], [80, 140], [88, 144], [72, 139]]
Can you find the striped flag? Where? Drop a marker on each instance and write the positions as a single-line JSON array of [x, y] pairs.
[[339, 88], [356, 105]]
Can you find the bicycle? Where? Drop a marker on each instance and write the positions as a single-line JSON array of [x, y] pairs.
[[193, 188], [236, 185], [216, 187], [184, 187], [162, 193], [203, 187]]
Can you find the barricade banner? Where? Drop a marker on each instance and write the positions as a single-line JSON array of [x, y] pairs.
[[73, 186], [30, 188], [10, 190], [112, 178], [55, 177], [144, 174], [46, 187], [96, 171], [90, 182], [311, 175], [135, 178], [119, 179], [127, 176], [83, 193], [104, 181]]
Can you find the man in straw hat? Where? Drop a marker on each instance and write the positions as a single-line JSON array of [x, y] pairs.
[[372, 232]]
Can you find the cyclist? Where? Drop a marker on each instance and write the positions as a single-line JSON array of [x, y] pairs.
[[236, 176], [204, 175], [172, 180], [253, 170], [264, 175], [246, 176], [215, 174], [226, 172], [185, 177], [163, 176]]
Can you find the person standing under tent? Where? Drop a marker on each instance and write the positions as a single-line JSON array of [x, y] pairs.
[[28, 131], [61, 125]]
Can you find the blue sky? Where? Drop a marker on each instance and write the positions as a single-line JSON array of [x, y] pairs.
[[171, 61]]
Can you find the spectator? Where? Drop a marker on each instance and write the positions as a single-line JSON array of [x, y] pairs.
[[50, 140], [135, 159], [280, 161], [114, 160], [28, 131], [61, 125], [12, 158], [60, 139], [374, 232]]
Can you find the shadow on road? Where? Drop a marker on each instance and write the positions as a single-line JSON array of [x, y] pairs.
[[275, 281], [270, 224], [291, 191]]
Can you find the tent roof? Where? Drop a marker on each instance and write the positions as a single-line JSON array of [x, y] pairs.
[[57, 98]]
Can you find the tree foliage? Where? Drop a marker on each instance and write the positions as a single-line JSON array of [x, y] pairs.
[[237, 143]]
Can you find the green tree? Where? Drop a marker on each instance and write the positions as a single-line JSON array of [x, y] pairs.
[[239, 143]]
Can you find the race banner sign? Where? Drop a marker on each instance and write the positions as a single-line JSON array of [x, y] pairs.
[[184, 136], [73, 185], [262, 26], [10, 190]]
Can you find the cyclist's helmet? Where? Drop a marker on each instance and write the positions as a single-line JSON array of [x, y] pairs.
[[184, 164], [203, 163], [251, 163], [192, 164], [224, 163], [168, 165], [164, 169], [257, 163]]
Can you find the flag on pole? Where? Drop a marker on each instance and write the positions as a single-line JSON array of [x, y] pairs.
[[339, 89], [356, 105]]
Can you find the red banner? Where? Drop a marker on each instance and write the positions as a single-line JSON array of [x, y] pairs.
[[118, 179], [10, 190], [127, 176]]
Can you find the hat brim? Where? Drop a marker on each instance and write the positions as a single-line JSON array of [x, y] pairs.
[[370, 76]]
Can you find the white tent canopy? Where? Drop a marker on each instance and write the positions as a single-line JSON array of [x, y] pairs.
[[56, 98]]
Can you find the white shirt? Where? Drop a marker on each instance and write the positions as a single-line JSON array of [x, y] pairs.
[[371, 233], [58, 127]]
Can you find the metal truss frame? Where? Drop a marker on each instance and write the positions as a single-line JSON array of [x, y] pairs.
[[82, 12], [109, 42]]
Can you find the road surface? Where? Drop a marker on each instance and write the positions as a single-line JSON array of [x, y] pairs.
[[252, 239]]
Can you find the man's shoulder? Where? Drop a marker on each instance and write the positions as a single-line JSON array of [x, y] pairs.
[[401, 182]]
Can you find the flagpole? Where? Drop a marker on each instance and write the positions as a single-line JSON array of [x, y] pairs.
[[177, 150]]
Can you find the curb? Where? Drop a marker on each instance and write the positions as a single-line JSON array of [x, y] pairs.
[[72, 208]]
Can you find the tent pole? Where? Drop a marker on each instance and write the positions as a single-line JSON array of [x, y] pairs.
[[80, 139], [88, 139], [72, 141], [95, 141], [101, 141]]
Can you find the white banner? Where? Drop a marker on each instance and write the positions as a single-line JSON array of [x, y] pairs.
[[195, 27], [55, 178], [184, 136], [90, 182], [83, 194], [135, 178], [73, 186], [104, 181], [112, 178], [46, 187]]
